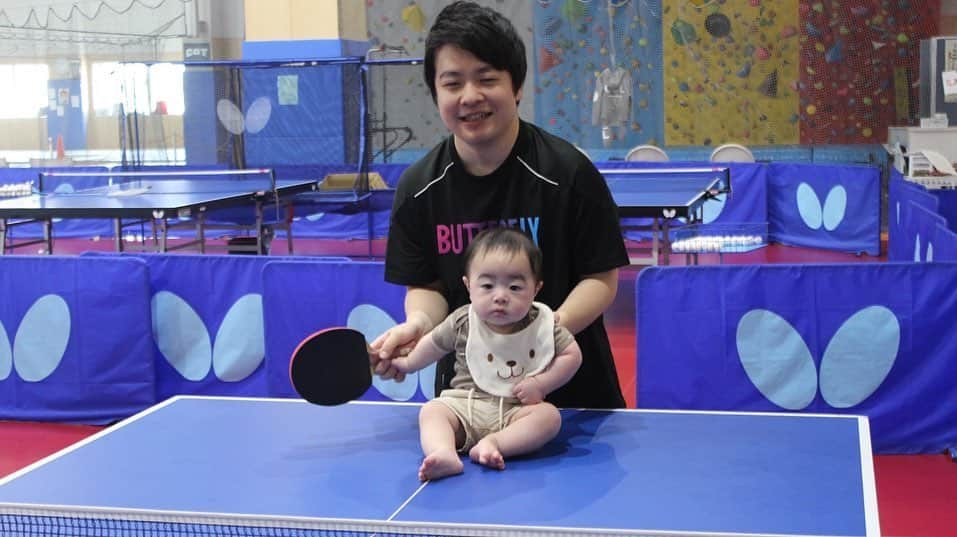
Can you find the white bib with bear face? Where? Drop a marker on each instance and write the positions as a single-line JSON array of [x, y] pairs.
[[497, 362]]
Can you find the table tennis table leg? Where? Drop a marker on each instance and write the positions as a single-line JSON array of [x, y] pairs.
[[666, 243], [289, 215], [201, 231], [260, 230], [692, 257], [48, 235], [155, 236], [370, 230], [164, 235], [118, 234], [3, 236], [655, 230]]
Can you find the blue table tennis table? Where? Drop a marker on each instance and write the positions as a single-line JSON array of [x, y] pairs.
[[664, 195], [236, 466], [162, 200]]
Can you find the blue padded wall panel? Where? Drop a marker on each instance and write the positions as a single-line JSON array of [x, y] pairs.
[[833, 207], [75, 343], [947, 206], [207, 326], [920, 225], [871, 339], [945, 244]]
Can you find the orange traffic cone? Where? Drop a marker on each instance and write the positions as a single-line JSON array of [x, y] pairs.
[[60, 154]]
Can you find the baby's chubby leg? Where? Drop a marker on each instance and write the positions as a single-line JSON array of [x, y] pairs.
[[530, 429], [439, 433]]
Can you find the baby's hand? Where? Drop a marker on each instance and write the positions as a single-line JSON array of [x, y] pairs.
[[529, 391], [401, 364], [392, 368]]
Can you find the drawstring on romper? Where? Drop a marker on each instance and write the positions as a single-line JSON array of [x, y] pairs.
[[501, 415], [471, 392], [501, 408]]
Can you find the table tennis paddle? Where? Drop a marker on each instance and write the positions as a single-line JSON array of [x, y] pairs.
[[331, 367]]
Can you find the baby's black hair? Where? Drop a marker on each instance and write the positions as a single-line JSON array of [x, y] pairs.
[[506, 240]]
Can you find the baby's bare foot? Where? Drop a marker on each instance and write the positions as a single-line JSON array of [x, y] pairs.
[[439, 464], [486, 453]]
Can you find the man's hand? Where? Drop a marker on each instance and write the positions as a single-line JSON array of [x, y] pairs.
[[529, 391], [394, 343]]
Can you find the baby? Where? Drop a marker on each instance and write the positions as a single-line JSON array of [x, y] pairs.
[[509, 354]]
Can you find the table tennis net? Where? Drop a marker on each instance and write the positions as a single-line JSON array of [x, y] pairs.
[[83, 527], [32, 522]]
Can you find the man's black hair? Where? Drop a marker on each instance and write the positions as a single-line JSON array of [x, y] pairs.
[[482, 31]]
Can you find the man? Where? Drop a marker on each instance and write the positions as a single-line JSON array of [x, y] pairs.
[[497, 170]]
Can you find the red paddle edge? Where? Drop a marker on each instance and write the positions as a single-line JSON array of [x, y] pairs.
[[306, 340]]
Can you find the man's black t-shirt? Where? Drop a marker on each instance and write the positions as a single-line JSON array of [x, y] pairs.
[[547, 189]]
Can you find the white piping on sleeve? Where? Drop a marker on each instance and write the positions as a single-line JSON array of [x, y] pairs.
[[536, 174], [433, 181]]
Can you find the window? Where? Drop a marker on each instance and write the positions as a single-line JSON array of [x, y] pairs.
[[137, 87], [24, 92], [166, 86], [110, 82]]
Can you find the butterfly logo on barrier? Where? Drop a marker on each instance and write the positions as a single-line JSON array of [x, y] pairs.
[[918, 245], [815, 215], [40, 341], [183, 340], [372, 322], [711, 209], [928, 256], [255, 120], [855, 363]]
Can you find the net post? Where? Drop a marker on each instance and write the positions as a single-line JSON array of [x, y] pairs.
[[364, 153]]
